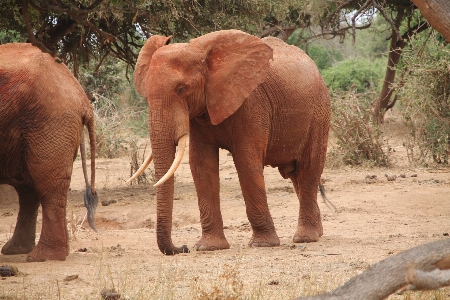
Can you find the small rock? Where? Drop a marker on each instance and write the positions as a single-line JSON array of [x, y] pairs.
[[274, 282], [108, 202], [82, 250], [371, 176], [414, 175], [110, 294], [445, 234], [8, 271], [403, 175], [71, 277], [390, 177]]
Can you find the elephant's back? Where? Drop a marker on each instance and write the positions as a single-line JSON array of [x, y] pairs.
[[32, 79], [295, 91], [289, 62]]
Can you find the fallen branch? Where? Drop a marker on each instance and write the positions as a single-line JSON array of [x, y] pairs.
[[425, 267]]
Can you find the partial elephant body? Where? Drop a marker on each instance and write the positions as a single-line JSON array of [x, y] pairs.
[[284, 114], [262, 100], [43, 110]]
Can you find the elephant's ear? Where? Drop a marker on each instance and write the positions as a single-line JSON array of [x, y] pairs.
[[237, 63], [144, 60]]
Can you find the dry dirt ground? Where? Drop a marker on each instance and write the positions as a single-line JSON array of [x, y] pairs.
[[375, 219]]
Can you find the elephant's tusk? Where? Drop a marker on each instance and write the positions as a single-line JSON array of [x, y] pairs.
[[144, 166], [176, 161]]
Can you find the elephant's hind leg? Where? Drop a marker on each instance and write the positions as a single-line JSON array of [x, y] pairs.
[[309, 227], [23, 239], [53, 243]]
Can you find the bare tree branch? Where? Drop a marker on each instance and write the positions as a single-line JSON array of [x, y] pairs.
[[331, 34], [425, 267], [338, 9], [31, 37], [393, 25], [359, 11]]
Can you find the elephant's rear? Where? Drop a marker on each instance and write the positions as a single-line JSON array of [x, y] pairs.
[[43, 111], [43, 108], [304, 106]]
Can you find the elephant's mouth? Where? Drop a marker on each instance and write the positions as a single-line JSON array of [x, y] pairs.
[[173, 167]]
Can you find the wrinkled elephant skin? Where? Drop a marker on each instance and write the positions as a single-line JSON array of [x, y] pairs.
[[262, 100], [43, 110]]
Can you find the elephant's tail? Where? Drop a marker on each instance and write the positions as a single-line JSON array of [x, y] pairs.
[[90, 195], [327, 202]]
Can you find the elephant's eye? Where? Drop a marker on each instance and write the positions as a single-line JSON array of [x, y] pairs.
[[180, 89]]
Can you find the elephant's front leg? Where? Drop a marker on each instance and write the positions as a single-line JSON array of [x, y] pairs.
[[23, 239], [251, 177], [204, 162]]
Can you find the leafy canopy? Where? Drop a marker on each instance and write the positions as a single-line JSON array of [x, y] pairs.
[[79, 31]]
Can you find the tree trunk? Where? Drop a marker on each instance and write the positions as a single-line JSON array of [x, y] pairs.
[[395, 52], [425, 267], [437, 13]]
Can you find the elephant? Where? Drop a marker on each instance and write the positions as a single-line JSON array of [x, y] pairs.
[[262, 100], [43, 111]]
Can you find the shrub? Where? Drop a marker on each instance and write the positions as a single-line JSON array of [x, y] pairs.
[[357, 74], [359, 138], [426, 100], [323, 57]]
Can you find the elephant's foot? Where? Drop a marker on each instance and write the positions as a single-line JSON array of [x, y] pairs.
[[44, 252], [208, 243], [264, 240], [175, 250], [17, 247], [308, 234]]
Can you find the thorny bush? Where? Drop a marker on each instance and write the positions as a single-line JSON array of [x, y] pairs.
[[426, 100], [359, 137]]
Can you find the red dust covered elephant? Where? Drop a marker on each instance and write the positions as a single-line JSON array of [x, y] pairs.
[[43, 110], [262, 100]]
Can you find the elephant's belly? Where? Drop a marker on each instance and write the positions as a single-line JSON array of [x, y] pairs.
[[11, 165], [283, 151], [8, 181], [287, 169]]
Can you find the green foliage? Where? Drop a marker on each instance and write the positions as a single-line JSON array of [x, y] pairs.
[[359, 138], [372, 42], [359, 75], [320, 56], [426, 99], [323, 56], [108, 80], [80, 30], [10, 36]]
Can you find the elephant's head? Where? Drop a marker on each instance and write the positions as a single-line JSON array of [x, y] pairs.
[[213, 75]]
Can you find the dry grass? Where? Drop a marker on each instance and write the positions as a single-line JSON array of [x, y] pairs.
[[225, 281], [359, 138]]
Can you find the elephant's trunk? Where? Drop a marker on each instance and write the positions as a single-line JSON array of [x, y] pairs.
[[176, 161], [163, 151]]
